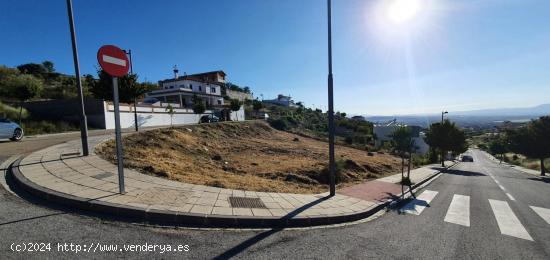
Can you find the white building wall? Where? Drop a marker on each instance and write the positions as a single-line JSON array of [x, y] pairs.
[[238, 115], [157, 116]]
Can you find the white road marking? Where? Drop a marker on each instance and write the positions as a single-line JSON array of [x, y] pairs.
[[417, 205], [542, 212], [507, 221], [459, 210], [114, 60], [502, 188], [510, 196]]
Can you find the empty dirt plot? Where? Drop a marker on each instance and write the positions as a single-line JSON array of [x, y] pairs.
[[247, 156]]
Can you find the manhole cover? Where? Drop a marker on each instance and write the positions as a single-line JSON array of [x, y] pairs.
[[242, 202]]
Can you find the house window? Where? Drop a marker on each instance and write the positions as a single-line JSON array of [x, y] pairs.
[[219, 102], [200, 88], [213, 90], [171, 87]]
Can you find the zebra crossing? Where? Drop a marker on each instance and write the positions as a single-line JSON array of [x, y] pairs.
[[458, 213]]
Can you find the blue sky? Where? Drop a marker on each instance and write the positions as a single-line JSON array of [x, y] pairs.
[[454, 54]]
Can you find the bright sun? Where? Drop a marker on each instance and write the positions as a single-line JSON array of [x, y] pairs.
[[400, 11]]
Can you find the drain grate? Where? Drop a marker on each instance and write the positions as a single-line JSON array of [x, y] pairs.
[[242, 202]]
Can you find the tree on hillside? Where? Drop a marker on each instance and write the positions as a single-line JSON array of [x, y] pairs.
[[257, 105], [23, 88], [235, 105], [498, 146], [32, 68], [532, 140], [198, 105], [48, 65], [402, 143], [445, 138], [102, 88], [6, 74]]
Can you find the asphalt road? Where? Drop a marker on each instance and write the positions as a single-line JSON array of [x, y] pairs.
[[392, 235]]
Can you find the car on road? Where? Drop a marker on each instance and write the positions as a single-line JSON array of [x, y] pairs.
[[467, 158], [209, 119], [10, 130]]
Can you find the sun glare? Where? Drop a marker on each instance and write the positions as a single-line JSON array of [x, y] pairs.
[[400, 11]]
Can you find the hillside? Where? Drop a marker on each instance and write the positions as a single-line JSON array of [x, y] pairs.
[[250, 156]]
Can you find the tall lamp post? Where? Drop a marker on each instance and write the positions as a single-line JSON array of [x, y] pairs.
[[442, 152], [332, 164], [83, 121], [129, 53]]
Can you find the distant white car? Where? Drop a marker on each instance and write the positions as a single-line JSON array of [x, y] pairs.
[[10, 130]]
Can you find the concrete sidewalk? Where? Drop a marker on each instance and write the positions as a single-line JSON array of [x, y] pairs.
[[61, 175]]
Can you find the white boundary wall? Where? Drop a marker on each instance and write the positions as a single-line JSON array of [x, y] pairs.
[[157, 116]]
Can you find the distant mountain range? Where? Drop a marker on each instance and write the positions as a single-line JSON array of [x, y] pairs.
[[483, 118], [539, 110]]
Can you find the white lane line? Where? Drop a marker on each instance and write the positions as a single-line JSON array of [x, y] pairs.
[[510, 196], [417, 205], [542, 212], [502, 188], [459, 210], [114, 60], [507, 221]]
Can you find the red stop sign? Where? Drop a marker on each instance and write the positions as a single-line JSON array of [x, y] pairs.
[[113, 60]]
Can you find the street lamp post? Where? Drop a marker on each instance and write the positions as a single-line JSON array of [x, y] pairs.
[[83, 121], [129, 52], [442, 152], [332, 163]]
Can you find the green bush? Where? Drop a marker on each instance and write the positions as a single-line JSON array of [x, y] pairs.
[[47, 127], [279, 124], [12, 112]]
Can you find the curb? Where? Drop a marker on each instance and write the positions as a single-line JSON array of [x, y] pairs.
[[154, 216]]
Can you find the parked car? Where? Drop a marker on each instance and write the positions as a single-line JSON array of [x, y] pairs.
[[209, 119], [467, 158], [11, 130]]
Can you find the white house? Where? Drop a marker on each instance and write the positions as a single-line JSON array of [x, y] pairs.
[[282, 100], [383, 134], [181, 89]]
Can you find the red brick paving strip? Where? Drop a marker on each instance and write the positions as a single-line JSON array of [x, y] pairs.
[[375, 191]]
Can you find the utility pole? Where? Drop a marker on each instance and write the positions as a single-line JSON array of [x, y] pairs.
[[83, 121], [442, 152], [129, 52], [332, 163]]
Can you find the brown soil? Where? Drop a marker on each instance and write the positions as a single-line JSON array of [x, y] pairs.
[[248, 156]]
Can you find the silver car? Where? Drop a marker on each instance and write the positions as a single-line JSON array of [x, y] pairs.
[[11, 130]]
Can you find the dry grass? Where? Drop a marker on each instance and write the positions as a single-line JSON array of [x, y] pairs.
[[248, 156]]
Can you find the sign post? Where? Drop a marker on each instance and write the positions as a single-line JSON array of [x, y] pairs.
[[114, 62]]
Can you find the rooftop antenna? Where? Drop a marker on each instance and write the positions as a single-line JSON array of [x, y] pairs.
[[176, 71]]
